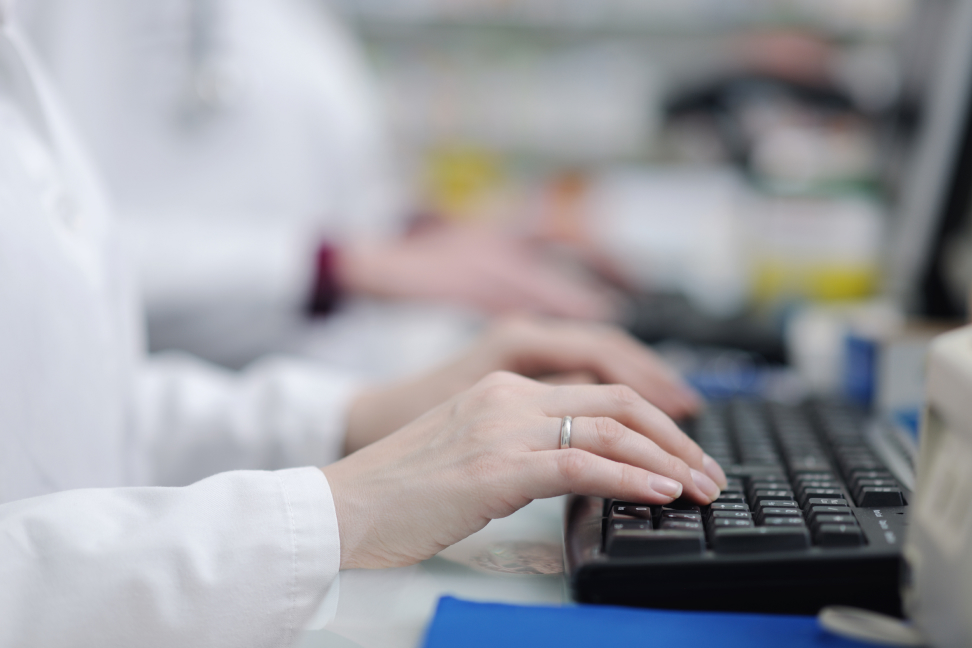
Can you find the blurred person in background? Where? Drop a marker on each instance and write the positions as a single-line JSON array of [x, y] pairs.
[[94, 552], [247, 156]]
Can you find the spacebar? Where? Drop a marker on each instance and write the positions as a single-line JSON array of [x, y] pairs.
[[650, 544], [751, 540]]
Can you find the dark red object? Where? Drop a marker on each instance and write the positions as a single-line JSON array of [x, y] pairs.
[[327, 290]]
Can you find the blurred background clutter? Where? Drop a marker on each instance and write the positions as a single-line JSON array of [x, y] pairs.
[[729, 179], [739, 164]]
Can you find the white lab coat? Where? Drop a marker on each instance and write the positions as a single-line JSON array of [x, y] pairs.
[[234, 137], [93, 552]]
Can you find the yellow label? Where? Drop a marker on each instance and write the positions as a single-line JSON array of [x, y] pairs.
[[460, 179], [773, 279]]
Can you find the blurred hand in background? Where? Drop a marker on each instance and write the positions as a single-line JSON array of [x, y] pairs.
[[552, 350], [477, 267]]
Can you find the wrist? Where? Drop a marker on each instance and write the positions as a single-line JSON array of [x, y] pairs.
[[364, 420], [343, 512], [358, 269], [378, 411]]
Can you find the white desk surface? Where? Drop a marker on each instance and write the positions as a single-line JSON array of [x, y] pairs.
[[391, 608]]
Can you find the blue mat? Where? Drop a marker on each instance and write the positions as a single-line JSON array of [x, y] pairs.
[[467, 624]]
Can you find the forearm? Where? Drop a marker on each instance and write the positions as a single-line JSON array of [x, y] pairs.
[[380, 410]]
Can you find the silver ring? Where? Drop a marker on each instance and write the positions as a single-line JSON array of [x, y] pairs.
[[565, 432]]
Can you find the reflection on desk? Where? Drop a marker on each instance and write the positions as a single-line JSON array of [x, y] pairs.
[[510, 560]]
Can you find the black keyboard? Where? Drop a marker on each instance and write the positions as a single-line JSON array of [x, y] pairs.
[[811, 517]]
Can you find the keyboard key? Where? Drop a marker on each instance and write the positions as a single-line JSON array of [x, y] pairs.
[[810, 462], [847, 520], [720, 523], [618, 502], [874, 481], [777, 512], [856, 476], [760, 539], [684, 516], [783, 521], [681, 505], [821, 493], [730, 515], [680, 525], [634, 543], [864, 463], [825, 501], [828, 510], [832, 483], [773, 475], [728, 507], [813, 476], [777, 494], [839, 535], [873, 496], [777, 504], [631, 511], [730, 498], [768, 477], [763, 484], [747, 472]]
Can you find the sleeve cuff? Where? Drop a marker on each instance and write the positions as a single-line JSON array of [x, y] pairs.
[[326, 292], [315, 541]]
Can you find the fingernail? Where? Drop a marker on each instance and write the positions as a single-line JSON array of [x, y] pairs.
[[705, 484], [714, 470], [666, 486]]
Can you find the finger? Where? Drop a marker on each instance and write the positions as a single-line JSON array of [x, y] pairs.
[[607, 438], [622, 404], [541, 347], [628, 362], [560, 472], [618, 358], [502, 287], [569, 378], [544, 290]]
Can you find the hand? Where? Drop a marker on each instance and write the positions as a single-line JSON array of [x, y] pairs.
[[563, 351], [491, 450], [473, 267]]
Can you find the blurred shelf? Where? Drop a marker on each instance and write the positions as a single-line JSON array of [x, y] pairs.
[[581, 20]]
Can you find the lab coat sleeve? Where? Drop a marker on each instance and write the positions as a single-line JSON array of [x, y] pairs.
[[194, 419], [239, 559], [194, 263]]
